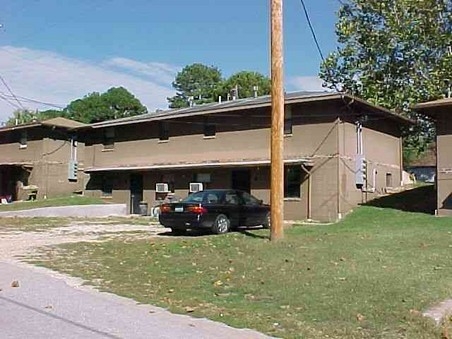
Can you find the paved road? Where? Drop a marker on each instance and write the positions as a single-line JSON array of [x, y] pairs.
[[46, 306]]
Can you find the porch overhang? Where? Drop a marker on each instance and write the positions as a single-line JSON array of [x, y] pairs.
[[17, 163], [208, 164]]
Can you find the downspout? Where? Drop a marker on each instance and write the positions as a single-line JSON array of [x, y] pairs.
[[309, 202], [339, 152]]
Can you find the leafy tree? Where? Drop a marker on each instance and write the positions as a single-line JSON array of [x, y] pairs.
[[394, 53], [197, 82], [22, 116], [116, 103], [246, 82]]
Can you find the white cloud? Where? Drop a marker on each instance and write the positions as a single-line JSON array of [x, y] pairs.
[[306, 83], [53, 78]]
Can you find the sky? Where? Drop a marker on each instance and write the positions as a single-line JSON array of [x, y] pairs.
[[54, 51]]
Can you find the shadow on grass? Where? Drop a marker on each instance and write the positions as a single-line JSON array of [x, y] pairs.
[[204, 232], [420, 199]]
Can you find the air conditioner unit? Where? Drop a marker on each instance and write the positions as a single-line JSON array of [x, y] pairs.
[[196, 186], [161, 187]]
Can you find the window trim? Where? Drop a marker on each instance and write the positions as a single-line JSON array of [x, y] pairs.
[[23, 140], [163, 131], [109, 139], [295, 183], [288, 121]]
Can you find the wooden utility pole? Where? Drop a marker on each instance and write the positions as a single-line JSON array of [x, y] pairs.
[[277, 128]]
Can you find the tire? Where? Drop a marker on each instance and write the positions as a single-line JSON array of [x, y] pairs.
[[177, 231], [221, 224], [267, 222]]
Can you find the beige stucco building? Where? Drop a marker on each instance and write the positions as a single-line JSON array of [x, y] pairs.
[[440, 111], [35, 160], [339, 151]]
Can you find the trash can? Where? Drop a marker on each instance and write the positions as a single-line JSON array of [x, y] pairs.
[[143, 208]]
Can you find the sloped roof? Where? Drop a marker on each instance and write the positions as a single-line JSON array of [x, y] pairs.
[[57, 122], [432, 108], [63, 122], [249, 103]]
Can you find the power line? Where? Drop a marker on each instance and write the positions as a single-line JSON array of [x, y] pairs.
[[34, 101], [12, 104], [10, 91], [312, 30], [314, 36]]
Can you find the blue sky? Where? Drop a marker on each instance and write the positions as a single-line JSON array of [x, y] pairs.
[[56, 51]]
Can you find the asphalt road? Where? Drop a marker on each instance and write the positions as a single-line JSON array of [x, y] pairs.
[[46, 306]]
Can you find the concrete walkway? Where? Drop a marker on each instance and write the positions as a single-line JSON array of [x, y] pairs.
[[83, 211], [45, 306]]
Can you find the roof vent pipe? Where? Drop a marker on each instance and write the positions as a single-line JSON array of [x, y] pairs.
[[219, 99], [255, 89]]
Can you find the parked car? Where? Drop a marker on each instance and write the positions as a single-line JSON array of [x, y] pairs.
[[216, 209]]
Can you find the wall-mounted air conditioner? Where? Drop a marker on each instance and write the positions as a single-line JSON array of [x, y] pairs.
[[161, 187], [195, 187]]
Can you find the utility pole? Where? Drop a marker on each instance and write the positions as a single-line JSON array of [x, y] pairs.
[[277, 120]]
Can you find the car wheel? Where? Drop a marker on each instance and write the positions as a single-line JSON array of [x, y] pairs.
[[267, 221], [221, 224], [177, 231]]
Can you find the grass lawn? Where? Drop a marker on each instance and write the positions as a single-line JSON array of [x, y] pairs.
[[368, 276], [62, 201]]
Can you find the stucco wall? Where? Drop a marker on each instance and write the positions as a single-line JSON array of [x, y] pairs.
[[444, 164]]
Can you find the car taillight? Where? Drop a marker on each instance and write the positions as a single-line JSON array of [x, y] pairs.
[[165, 208], [197, 209]]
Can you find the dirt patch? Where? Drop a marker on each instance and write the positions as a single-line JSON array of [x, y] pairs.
[[19, 243]]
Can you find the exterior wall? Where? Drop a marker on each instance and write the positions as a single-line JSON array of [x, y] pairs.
[[241, 136], [47, 156], [444, 164], [382, 150], [320, 134]]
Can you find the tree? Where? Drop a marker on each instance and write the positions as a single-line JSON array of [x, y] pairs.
[[196, 82], [116, 103], [22, 116], [247, 84], [394, 53]]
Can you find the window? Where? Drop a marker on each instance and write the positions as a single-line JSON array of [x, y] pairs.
[[388, 179], [107, 186], [163, 131], [249, 200], [23, 139], [210, 129], [109, 138], [288, 120], [231, 198], [292, 181]]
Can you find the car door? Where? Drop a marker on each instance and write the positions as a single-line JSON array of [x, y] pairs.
[[232, 205], [251, 209]]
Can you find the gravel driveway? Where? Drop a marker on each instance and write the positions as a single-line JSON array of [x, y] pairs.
[[39, 303]]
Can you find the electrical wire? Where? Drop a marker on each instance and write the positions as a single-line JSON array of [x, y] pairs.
[[10, 91], [25, 99], [312, 30]]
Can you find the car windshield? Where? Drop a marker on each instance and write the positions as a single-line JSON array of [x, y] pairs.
[[206, 197]]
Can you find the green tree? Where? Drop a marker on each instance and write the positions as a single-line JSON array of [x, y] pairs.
[[196, 82], [247, 83], [22, 116], [394, 53], [116, 103]]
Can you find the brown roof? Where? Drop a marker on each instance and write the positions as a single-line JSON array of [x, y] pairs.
[[251, 103], [434, 107], [57, 122], [63, 122]]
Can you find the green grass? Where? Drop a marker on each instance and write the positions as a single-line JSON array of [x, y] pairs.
[[62, 201], [368, 276]]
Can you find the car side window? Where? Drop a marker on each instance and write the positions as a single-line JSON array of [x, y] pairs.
[[231, 198], [249, 200], [212, 198]]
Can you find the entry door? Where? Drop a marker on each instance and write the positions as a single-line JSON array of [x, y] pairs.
[[241, 180], [136, 192]]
